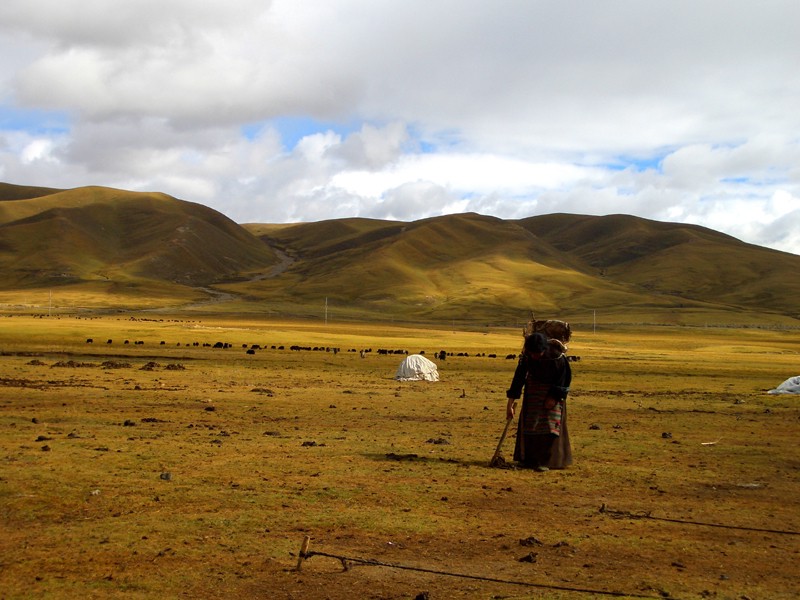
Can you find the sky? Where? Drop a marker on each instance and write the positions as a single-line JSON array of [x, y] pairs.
[[283, 111]]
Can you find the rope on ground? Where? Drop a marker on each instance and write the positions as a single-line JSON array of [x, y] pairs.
[[345, 560], [624, 514]]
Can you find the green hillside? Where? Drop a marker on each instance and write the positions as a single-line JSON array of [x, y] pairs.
[[99, 234], [685, 261], [116, 247], [472, 266]]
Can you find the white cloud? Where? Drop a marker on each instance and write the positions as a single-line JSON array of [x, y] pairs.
[[675, 111], [40, 149]]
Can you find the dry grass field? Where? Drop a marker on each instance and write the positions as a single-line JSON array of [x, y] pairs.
[[180, 470]]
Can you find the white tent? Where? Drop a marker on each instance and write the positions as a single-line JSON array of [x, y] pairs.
[[416, 367], [790, 386]]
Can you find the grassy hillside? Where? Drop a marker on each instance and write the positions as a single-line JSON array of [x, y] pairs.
[[686, 261], [90, 235], [9, 191], [472, 266], [116, 248]]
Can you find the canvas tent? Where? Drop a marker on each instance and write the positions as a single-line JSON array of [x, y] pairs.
[[416, 367], [790, 386]]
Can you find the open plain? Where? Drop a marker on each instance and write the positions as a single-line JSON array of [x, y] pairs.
[[166, 467]]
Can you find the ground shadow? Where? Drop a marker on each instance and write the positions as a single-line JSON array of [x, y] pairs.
[[416, 458]]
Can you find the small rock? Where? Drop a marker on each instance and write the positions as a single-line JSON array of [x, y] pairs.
[[530, 541], [594, 426], [529, 558], [166, 476], [45, 448], [666, 435]]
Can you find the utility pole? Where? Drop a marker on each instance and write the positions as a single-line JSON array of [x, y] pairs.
[[326, 310]]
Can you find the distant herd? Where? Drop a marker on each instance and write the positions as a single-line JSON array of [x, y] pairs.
[[251, 349]]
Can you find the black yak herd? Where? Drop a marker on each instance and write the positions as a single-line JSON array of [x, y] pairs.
[[252, 348]]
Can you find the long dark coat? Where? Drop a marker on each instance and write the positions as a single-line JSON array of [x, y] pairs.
[[550, 376]]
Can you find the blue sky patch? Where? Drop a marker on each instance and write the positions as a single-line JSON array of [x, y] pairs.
[[294, 129], [638, 164], [33, 121]]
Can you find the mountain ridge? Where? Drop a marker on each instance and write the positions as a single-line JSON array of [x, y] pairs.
[[124, 245]]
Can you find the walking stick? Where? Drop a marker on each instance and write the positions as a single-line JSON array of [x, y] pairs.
[[497, 459]]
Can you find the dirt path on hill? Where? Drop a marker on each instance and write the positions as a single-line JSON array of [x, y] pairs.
[[215, 296], [286, 261]]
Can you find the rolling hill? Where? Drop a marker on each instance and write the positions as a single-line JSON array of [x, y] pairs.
[[57, 237], [466, 267]]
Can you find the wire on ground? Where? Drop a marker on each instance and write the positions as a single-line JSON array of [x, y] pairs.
[[305, 553], [624, 514]]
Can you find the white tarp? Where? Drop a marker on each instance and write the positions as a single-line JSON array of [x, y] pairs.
[[790, 386], [416, 367]]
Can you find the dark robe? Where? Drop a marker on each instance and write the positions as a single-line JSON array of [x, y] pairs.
[[542, 435]]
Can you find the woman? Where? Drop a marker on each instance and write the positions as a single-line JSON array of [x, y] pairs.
[[544, 373]]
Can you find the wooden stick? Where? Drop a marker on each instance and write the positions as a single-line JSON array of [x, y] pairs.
[[303, 551], [502, 439]]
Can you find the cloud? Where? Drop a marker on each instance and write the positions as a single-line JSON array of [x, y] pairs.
[[299, 110]]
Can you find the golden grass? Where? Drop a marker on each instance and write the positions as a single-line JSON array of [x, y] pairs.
[[329, 445]]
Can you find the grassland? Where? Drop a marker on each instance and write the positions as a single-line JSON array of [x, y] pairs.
[[150, 470]]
